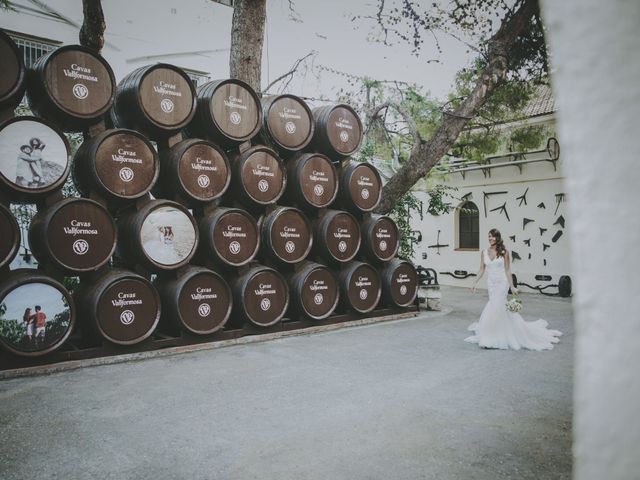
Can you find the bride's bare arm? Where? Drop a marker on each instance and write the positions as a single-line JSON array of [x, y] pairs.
[[479, 274], [507, 271]]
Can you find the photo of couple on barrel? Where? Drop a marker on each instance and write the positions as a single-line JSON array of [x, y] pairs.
[[29, 171], [35, 322]]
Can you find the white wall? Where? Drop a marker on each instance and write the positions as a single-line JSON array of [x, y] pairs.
[[596, 59]]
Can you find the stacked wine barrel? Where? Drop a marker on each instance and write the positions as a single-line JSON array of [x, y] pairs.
[[248, 212]]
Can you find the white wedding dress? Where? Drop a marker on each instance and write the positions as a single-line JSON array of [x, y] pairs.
[[500, 328]]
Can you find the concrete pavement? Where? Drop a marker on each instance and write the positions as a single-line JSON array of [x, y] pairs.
[[407, 399]]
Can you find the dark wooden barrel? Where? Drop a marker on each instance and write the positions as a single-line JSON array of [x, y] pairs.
[[260, 296], [287, 123], [228, 236], [10, 236], [314, 291], [34, 159], [399, 283], [119, 306], [360, 187], [380, 238], [286, 235], [312, 181], [228, 113], [12, 74], [158, 100], [34, 332], [258, 176], [198, 301], [72, 86], [74, 235], [338, 131], [360, 288], [162, 235], [119, 165], [195, 170], [337, 237]]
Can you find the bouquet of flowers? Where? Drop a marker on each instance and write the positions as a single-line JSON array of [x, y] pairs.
[[514, 304]]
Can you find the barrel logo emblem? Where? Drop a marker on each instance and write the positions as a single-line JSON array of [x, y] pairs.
[[342, 246], [265, 304], [383, 245], [363, 294], [344, 136], [126, 174], [403, 290], [263, 185], [318, 299], [80, 247], [290, 247], [364, 193], [203, 181], [318, 190], [235, 118], [204, 309], [127, 317], [80, 91], [290, 127], [234, 247], [166, 105]]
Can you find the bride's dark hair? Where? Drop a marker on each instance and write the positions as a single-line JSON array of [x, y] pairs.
[[500, 248]]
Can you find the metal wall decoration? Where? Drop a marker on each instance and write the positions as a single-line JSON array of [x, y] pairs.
[[438, 245], [542, 230], [556, 236], [459, 274], [515, 255], [466, 197], [541, 205], [523, 198], [544, 247], [485, 195], [512, 238], [526, 221], [529, 256], [559, 221], [544, 262], [502, 208], [560, 197], [527, 242]]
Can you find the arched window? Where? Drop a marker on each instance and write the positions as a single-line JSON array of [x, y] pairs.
[[469, 226]]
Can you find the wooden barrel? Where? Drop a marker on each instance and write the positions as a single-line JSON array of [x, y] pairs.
[[260, 296], [287, 123], [312, 181], [228, 236], [119, 306], [10, 237], [158, 100], [74, 235], [314, 291], [337, 237], [34, 158], [37, 313], [119, 165], [359, 287], [228, 113], [73, 86], [380, 238], [162, 235], [338, 131], [195, 170], [286, 235], [399, 283], [259, 177], [198, 301], [360, 187], [12, 74]]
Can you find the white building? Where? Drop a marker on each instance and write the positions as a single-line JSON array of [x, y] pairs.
[[521, 195]]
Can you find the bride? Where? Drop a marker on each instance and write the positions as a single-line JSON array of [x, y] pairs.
[[498, 327]]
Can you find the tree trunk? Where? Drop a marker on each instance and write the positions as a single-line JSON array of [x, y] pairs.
[[247, 36], [93, 26], [425, 155]]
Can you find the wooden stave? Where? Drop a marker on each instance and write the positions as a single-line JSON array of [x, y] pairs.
[[25, 276], [238, 188], [296, 285], [344, 199], [129, 226], [344, 278], [294, 193], [170, 288], [269, 137], [43, 104], [84, 173], [15, 233], [14, 96], [88, 297], [320, 227], [39, 239], [386, 275], [135, 118], [321, 142], [203, 124], [367, 228], [265, 224]]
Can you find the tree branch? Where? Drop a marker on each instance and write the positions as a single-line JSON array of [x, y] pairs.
[[411, 123], [293, 70]]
